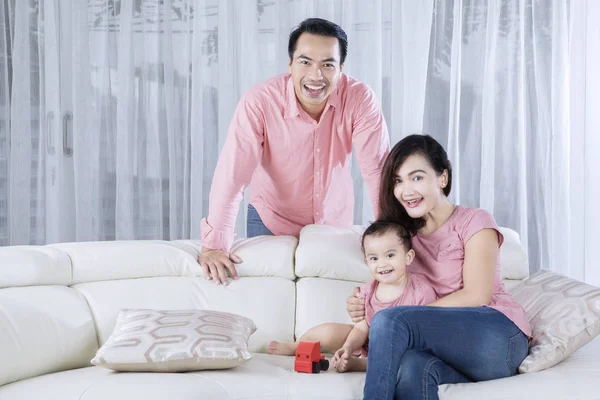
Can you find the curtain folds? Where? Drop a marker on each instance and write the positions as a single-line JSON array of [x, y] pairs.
[[113, 112]]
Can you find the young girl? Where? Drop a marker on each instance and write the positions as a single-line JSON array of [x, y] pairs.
[[388, 250]]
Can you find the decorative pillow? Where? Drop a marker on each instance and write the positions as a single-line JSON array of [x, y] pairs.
[[175, 341], [564, 314]]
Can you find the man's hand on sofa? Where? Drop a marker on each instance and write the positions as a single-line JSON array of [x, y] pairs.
[[356, 306], [216, 263]]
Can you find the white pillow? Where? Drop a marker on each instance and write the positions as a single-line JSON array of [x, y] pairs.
[[176, 341]]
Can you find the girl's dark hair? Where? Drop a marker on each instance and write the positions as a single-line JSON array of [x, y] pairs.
[[322, 27], [425, 146], [381, 227]]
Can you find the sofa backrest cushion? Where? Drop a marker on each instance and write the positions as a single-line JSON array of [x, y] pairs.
[[268, 302], [331, 252], [266, 256], [102, 261], [33, 265], [335, 253], [513, 257], [43, 329], [320, 300]]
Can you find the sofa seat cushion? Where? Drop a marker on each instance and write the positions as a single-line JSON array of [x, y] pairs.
[[264, 377], [268, 377], [96, 383]]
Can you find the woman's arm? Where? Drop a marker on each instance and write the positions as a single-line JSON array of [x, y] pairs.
[[479, 268]]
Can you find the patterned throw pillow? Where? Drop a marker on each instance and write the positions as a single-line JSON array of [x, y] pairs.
[[176, 341], [564, 314]]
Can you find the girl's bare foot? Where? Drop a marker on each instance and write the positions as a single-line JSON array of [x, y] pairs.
[[282, 348], [352, 364]]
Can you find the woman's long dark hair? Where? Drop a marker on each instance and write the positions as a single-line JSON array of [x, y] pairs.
[[425, 146]]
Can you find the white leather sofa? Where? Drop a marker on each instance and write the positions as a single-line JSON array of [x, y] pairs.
[[58, 304]]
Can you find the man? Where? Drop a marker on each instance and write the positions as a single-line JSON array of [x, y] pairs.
[[291, 139]]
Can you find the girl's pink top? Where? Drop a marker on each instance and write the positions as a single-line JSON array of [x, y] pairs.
[[418, 292]]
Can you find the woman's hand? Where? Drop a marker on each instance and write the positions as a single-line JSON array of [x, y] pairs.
[[355, 306]]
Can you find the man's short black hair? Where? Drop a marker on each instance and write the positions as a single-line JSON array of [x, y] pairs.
[[318, 26], [381, 227]]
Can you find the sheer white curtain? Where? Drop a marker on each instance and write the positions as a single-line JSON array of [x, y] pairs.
[[113, 112], [584, 134]]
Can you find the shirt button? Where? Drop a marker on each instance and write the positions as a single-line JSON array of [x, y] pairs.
[[317, 195], [318, 150], [318, 173]]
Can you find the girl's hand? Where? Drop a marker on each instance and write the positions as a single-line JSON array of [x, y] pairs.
[[341, 358]]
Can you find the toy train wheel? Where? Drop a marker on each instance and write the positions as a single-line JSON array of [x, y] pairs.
[[316, 367], [324, 364]]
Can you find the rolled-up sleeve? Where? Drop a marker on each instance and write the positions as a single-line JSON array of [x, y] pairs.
[[238, 160], [371, 143]]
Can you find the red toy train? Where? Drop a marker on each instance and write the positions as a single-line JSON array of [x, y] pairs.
[[309, 358]]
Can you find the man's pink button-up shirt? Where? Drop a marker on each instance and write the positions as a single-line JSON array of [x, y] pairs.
[[298, 170]]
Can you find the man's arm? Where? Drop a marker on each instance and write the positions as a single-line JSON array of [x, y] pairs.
[[238, 160], [371, 143]]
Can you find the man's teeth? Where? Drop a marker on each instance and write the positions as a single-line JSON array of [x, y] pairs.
[[314, 87]]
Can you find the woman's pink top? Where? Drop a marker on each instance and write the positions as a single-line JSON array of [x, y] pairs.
[[440, 256]]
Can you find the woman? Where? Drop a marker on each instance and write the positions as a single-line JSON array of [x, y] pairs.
[[475, 331]]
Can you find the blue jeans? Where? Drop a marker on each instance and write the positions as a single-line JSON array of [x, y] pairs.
[[413, 349], [254, 224]]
